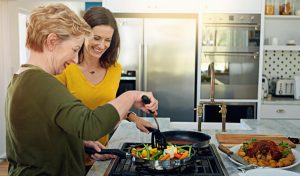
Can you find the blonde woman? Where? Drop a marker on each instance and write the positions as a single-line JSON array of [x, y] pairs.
[[45, 124]]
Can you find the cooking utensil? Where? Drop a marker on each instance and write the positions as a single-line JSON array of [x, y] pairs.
[[233, 155], [152, 164], [157, 139], [146, 100], [196, 139], [294, 140]]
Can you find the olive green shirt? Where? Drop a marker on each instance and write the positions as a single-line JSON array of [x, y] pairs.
[[46, 126]]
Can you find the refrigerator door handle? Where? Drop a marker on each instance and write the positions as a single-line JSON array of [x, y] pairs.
[[140, 67], [145, 77]]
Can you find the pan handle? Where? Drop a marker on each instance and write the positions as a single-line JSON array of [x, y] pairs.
[[116, 152], [152, 130]]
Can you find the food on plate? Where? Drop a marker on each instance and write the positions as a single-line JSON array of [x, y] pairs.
[[172, 151], [267, 153]]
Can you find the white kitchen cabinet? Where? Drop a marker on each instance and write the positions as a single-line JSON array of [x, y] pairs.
[[153, 6], [233, 6], [283, 111]]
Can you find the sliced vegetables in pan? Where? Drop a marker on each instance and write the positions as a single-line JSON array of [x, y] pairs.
[[172, 151]]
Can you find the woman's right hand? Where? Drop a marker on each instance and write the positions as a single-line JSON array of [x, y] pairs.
[[124, 103], [152, 106]]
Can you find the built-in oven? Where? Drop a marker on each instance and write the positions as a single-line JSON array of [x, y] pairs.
[[231, 33], [235, 112], [127, 81], [231, 42]]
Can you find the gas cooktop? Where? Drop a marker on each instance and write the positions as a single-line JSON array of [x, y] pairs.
[[205, 162]]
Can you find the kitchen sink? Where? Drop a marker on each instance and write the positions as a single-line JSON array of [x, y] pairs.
[[208, 125]]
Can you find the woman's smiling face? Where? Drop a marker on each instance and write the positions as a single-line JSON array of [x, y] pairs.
[[99, 41]]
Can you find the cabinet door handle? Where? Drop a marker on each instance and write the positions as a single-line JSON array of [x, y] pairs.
[[280, 110]]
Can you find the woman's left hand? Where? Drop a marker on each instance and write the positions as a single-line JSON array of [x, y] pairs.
[[140, 123], [97, 146]]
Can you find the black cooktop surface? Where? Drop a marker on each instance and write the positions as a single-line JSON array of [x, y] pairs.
[[206, 162]]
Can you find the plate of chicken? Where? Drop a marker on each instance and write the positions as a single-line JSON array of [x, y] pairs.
[[267, 154]]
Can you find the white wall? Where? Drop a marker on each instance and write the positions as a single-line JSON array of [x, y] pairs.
[[9, 46], [8, 56], [76, 5]]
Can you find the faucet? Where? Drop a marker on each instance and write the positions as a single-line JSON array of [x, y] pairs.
[[222, 105]]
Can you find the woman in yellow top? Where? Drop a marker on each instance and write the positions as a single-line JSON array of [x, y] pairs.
[[95, 79]]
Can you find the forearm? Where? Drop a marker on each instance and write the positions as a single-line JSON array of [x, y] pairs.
[[124, 102]]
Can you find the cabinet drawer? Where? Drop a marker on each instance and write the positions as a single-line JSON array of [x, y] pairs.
[[280, 111]]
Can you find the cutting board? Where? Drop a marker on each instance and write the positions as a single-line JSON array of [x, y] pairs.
[[230, 140]]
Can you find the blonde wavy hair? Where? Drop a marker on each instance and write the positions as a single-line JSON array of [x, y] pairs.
[[53, 18]]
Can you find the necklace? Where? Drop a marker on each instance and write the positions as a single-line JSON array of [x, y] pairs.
[[92, 72]]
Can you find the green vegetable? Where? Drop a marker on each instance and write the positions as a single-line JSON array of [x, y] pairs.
[[284, 144], [157, 155], [190, 148]]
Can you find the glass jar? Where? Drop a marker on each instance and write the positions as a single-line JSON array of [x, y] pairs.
[[286, 7], [269, 7]]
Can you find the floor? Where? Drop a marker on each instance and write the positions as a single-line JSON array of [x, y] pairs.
[[3, 168]]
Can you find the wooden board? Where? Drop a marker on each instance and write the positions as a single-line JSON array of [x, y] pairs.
[[230, 140]]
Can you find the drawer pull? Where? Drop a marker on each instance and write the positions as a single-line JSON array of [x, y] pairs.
[[280, 110]]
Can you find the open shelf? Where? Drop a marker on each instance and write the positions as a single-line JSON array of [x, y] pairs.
[[282, 47]]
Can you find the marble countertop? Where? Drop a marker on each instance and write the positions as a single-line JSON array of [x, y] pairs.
[[127, 132], [281, 101]]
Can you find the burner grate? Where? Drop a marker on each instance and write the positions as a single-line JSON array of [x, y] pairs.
[[206, 163]]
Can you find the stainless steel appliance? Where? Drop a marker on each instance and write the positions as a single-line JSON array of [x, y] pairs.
[[297, 87], [127, 81], [231, 42], [162, 48], [284, 87], [206, 162], [265, 86], [235, 112]]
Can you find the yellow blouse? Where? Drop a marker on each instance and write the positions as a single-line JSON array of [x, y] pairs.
[[92, 95]]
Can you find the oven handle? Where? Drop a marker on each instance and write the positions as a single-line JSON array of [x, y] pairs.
[[256, 26], [254, 55]]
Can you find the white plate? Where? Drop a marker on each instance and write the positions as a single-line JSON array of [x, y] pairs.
[[269, 171], [296, 153]]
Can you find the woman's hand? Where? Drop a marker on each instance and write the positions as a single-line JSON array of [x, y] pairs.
[[152, 106], [97, 146], [124, 103], [140, 123]]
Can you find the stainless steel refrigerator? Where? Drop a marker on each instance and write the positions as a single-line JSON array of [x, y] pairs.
[[162, 50]]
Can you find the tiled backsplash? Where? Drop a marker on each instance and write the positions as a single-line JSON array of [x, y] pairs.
[[281, 64]]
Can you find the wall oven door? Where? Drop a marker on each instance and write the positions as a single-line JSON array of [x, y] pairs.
[[231, 42], [236, 75], [231, 33]]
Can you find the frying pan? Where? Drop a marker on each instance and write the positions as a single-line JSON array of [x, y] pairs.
[[196, 139], [152, 164]]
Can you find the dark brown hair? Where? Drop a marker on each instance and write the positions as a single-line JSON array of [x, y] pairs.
[[96, 16]]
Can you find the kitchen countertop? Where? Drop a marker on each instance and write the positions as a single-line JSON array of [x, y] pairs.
[[281, 101], [127, 132]]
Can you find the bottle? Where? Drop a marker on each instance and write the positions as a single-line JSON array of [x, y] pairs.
[[286, 7], [269, 7]]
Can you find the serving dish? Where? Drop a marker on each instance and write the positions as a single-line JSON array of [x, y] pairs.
[[295, 152]]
